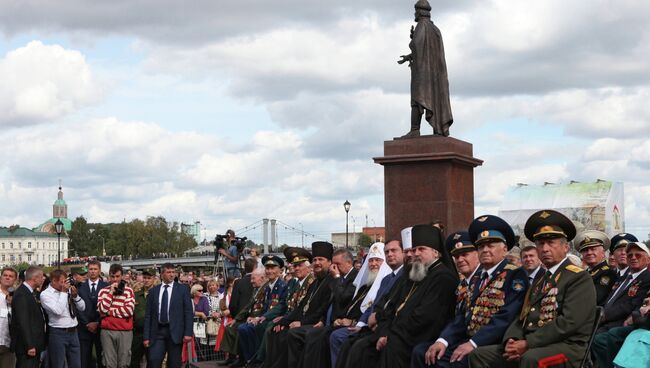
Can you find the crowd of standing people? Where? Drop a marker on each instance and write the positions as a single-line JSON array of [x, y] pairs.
[[424, 300]]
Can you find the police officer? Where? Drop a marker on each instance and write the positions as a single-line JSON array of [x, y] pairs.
[[557, 317], [592, 244]]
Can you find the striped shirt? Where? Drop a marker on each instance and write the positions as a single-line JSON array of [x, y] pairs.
[[117, 310]]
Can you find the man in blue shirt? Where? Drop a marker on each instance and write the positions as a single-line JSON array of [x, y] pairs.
[[231, 257]]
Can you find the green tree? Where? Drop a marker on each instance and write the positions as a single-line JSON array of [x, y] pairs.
[[79, 237], [364, 241]]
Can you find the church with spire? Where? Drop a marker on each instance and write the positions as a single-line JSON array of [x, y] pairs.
[[59, 212]]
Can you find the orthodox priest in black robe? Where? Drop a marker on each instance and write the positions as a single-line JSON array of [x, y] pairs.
[[423, 304], [316, 352]]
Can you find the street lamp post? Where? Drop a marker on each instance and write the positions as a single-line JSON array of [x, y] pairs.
[[346, 206], [58, 226]]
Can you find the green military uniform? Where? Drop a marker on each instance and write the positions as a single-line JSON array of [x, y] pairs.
[[137, 347], [559, 310], [603, 276]]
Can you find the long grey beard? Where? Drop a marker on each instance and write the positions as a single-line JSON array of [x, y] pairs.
[[371, 278], [418, 271]]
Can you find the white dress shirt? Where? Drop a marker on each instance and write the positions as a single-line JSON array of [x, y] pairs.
[[5, 337], [169, 296], [55, 304]]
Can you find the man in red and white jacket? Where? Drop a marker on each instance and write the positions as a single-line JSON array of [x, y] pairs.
[[115, 304]]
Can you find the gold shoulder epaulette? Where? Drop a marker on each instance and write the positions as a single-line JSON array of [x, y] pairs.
[[510, 266], [605, 267], [574, 268]]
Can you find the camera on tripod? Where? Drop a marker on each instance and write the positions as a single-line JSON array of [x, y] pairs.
[[225, 241]]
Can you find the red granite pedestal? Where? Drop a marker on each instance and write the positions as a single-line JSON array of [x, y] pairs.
[[425, 179]]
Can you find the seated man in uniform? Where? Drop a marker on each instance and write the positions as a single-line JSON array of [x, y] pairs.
[[311, 311], [493, 301], [618, 244], [591, 244], [296, 289], [275, 304], [559, 310], [253, 308], [626, 297]]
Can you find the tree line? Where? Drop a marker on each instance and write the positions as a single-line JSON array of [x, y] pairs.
[[137, 238]]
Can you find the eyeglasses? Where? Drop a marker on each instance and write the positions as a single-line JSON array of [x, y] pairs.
[[636, 255]]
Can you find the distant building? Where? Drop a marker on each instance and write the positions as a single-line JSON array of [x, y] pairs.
[[338, 239], [40, 244], [377, 234], [19, 244], [193, 230]]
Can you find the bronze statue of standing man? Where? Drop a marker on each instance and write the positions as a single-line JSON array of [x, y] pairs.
[[429, 82]]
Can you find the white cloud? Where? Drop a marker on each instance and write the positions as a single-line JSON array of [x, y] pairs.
[[42, 83]]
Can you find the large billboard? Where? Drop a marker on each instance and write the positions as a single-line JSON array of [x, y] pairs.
[[596, 205]]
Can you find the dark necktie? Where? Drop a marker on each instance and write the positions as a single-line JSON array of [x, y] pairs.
[[484, 278], [627, 281], [164, 305], [463, 283], [93, 291]]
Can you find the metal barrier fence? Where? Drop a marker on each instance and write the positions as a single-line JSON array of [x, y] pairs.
[[203, 351]]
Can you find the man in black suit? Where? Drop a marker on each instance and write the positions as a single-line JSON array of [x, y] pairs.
[[88, 329], [28, 322], [627, 296], [167, 320], [242, 290]]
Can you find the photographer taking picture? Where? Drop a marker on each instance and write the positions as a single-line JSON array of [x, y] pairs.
[[230, 255], [116, 303], [61, 302]]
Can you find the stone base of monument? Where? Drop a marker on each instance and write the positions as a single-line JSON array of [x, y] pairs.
[[425, 179]]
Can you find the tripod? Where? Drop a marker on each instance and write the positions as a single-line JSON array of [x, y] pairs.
[[220, 267]]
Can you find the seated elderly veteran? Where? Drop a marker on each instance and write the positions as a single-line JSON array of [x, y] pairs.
[[618, 244], [275, 305], [423, 305], [351, 349], [591, 244], [372, 271], [312, 309], [557, 317], [626, 297], [296, 289], [628, 292], [253, 308], [635, 351], [492, 302]]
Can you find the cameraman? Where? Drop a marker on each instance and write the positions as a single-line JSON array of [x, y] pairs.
[[231, 256], [61, 302], [115, 304]]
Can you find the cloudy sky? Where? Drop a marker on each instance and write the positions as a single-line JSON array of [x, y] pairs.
[[230, 111]]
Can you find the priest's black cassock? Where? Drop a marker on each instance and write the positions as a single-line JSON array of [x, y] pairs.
[[316, 351], [311, 310]]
